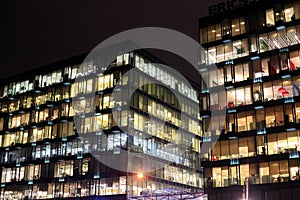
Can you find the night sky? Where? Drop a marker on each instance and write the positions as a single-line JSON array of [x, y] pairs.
[[37, 33]]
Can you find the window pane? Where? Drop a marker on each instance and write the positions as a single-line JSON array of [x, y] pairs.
[[289, 13], [270, 17]]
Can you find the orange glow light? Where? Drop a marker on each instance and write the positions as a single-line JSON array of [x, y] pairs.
[[140, 175]]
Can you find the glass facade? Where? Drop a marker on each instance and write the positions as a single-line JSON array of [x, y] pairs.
[[257, 56], [43, 155]]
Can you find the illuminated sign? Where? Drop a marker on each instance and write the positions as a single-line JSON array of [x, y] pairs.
[[228, 5]]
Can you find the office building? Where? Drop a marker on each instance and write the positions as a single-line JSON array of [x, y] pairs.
[[43, 155], [256, 49]]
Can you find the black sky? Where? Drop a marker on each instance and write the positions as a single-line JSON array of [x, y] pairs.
[[39, 32]]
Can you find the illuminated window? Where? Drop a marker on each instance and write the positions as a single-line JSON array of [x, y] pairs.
[[265, 65], [211, 33], [272, 144], [243, 147], [234, 150], [212, 55], [244, 172], [231, 123], [289, 13], [228, 72], [294, 169], [234, 175], [218, 31], [253, 45], [245, 121], [9, 139], [284, 61], [294, 60], [225, 180], [1, 123], [63, 169], [217, 177], [268, 91], [279, 14], [225, 149], [264, 172], [263, 42], [103, 121], [279, 171], [241, 72], [231, 98], [221, 52], [236, 26], [226, 29], [33, 172], [105, 82], [279, 116], [260, 145], [270, 17], [228, 55], [216, 152], [287, 86]]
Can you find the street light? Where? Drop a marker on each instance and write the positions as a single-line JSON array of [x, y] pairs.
[[140, 175]]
